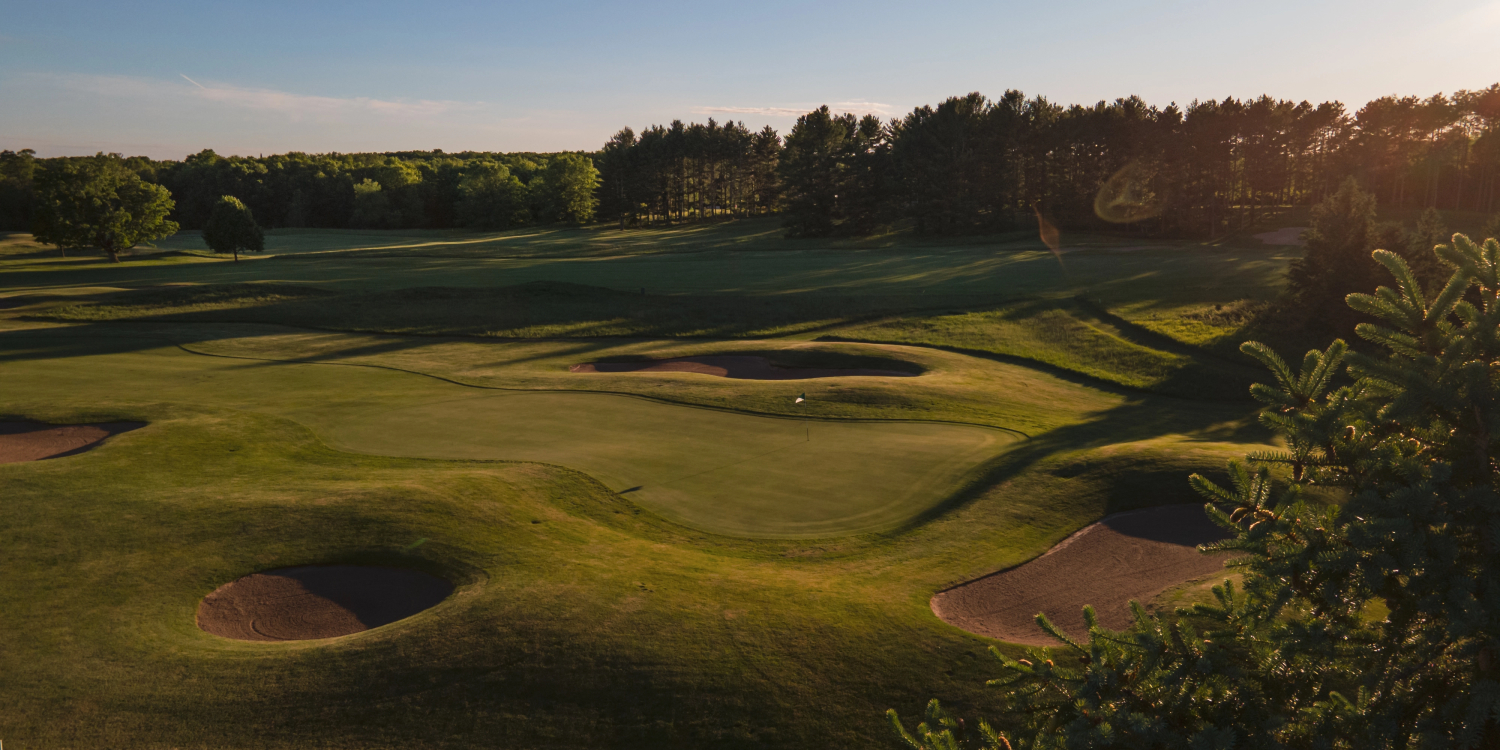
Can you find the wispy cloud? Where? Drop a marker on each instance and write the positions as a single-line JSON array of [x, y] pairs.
[[305, 105], [767, 111], [859, 108], [292, 105]]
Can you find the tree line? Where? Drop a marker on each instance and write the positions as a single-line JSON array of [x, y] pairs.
[[974, 164], [363, 191], [968, 164]]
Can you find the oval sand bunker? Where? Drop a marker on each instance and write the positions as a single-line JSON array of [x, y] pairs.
[[739, 367], [34, 441], [1127, 556], [318, 601]]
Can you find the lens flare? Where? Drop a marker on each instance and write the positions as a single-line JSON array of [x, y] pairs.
[[1127, 196], [1047, 231]]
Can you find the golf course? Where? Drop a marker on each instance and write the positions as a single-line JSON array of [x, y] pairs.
[[682, 487]]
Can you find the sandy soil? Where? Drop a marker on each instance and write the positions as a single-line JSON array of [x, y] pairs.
[[737, 367], [320, 601], [1283, 236], [1134, 555], [33, 441]]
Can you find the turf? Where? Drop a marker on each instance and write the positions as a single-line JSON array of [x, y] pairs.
[[719, 471], [586, 615]]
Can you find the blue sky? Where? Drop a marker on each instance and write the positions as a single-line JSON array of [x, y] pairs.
[[168, 78]]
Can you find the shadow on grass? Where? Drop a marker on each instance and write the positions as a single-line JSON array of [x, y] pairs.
[[1068, 338], [1131, 485]]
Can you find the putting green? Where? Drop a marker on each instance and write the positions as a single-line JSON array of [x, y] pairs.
[[718, 471]]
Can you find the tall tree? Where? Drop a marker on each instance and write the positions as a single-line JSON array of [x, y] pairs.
[[492, 198], [566, 189], [372, 206], [1418, 249], [17, 171], [1294, 657], [811, 162], [232, 229], [1337, 260], [99, 202]]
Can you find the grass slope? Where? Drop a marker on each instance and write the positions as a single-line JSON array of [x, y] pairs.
[[719, 471], [580, 622], [584, 618]]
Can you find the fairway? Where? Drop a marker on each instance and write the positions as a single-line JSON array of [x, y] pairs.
[[728, 473]]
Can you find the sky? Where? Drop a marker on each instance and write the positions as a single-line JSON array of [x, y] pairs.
[[167, 78]]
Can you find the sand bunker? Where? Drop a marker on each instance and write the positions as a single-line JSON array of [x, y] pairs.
[[1127, 556], [33, 441], [322, 601], [1283, 236], [739, 367]]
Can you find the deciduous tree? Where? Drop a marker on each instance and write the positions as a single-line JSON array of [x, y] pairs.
[[567, 189], [100, 202], [231, 229]]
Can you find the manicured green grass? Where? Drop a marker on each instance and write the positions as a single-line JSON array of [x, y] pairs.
[[1072, 336], [580, 621], [679, 615], [714, 470], [739, 259]]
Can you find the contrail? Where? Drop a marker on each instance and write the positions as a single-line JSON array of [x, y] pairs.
[[195, 83]]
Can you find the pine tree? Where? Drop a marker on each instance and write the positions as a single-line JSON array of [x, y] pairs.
[[1293, 658], [811, 170], [1418, 249], [1337, 260], [1491, 227]]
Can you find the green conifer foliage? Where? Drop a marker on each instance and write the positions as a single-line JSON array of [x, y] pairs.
[[231, 229], [1337, 262], [1419, 250], [1294, 658]]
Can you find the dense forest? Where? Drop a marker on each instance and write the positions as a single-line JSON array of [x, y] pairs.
[[969, 164], [363, 191], [972, 164]]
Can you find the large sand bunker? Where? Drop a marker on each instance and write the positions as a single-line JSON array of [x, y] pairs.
[[33, 441], [322, 601], [1129, 556], [739, 367]]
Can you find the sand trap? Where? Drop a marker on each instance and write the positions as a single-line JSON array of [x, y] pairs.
[[1127, 556], [33, 441], [734, 366], [322, 601], [1283, 236]]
